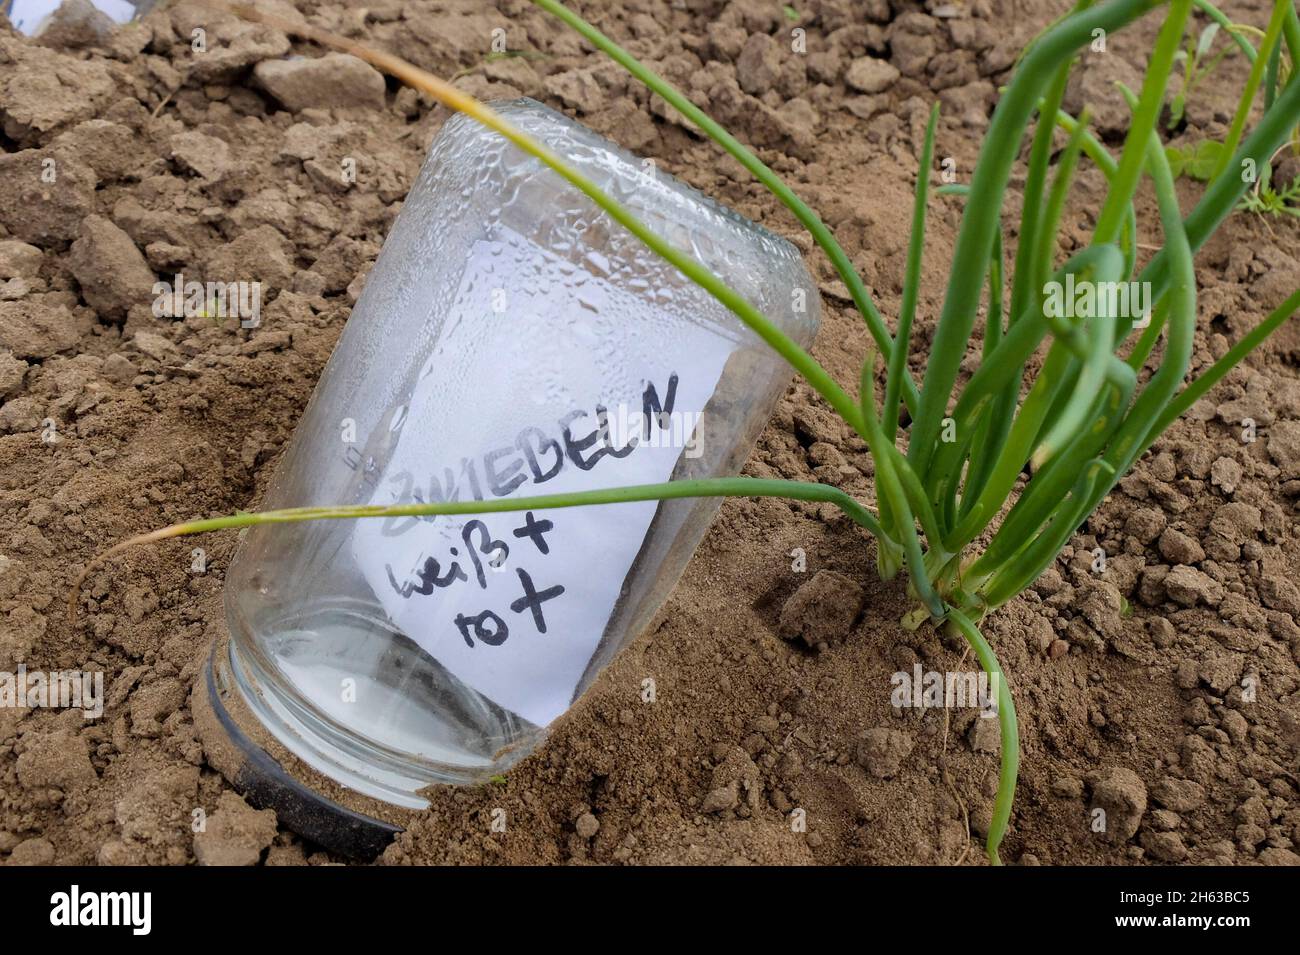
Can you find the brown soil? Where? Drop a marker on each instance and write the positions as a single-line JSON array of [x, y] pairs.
[[1129, 684]]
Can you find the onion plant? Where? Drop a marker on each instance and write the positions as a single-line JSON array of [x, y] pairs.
[[1072, 400]]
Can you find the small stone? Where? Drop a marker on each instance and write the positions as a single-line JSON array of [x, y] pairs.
[[37, 210], [1121, 793], [823, 610], [588, 825], [326, 82], [1145, 524], [43, 91], [112, 273], [869, 75], [235, 834], [110, 149], [14, 289], [33, 331], [1177, 548], [204, 155], [19, 260], [1067, 787], [153, 345], [759, 64], [984, 735], [233, 44], [75, 25], [119, 369], [58, 760], [1165, 846], [12, 372], [1237, 522], [1225, 474], [1189, 586], [576, 89], [721, 799], [1277, 856], [20, 415], [1165, 820], [1278, 593], [1102, 606], [1284, 447], [32, 852], [1221, 671], [260, 255], [881, 751]]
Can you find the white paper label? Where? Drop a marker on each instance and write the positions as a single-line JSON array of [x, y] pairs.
[[514, 604]]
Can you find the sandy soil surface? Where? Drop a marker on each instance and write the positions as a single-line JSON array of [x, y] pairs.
[[1163, 690]]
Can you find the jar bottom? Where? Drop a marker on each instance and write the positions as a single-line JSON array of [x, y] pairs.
[[364, 705]]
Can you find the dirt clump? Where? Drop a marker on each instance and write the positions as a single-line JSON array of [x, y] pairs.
[[823, 610], [236, 834]]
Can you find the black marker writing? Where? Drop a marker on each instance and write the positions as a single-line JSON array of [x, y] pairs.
[[536, 530], [498, 549], [535, 457], [533, 599], [493, 637]]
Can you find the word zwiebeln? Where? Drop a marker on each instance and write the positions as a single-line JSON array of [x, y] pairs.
[[583, 441]]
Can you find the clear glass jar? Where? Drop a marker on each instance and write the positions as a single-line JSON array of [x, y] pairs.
[[510, 341]]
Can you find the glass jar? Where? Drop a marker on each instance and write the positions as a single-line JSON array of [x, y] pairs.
[[510, 341]]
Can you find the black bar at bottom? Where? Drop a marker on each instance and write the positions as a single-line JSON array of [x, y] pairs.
[[307, 904]]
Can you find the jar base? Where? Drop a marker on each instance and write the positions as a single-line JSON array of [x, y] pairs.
[[362, 705], [265, 782]]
